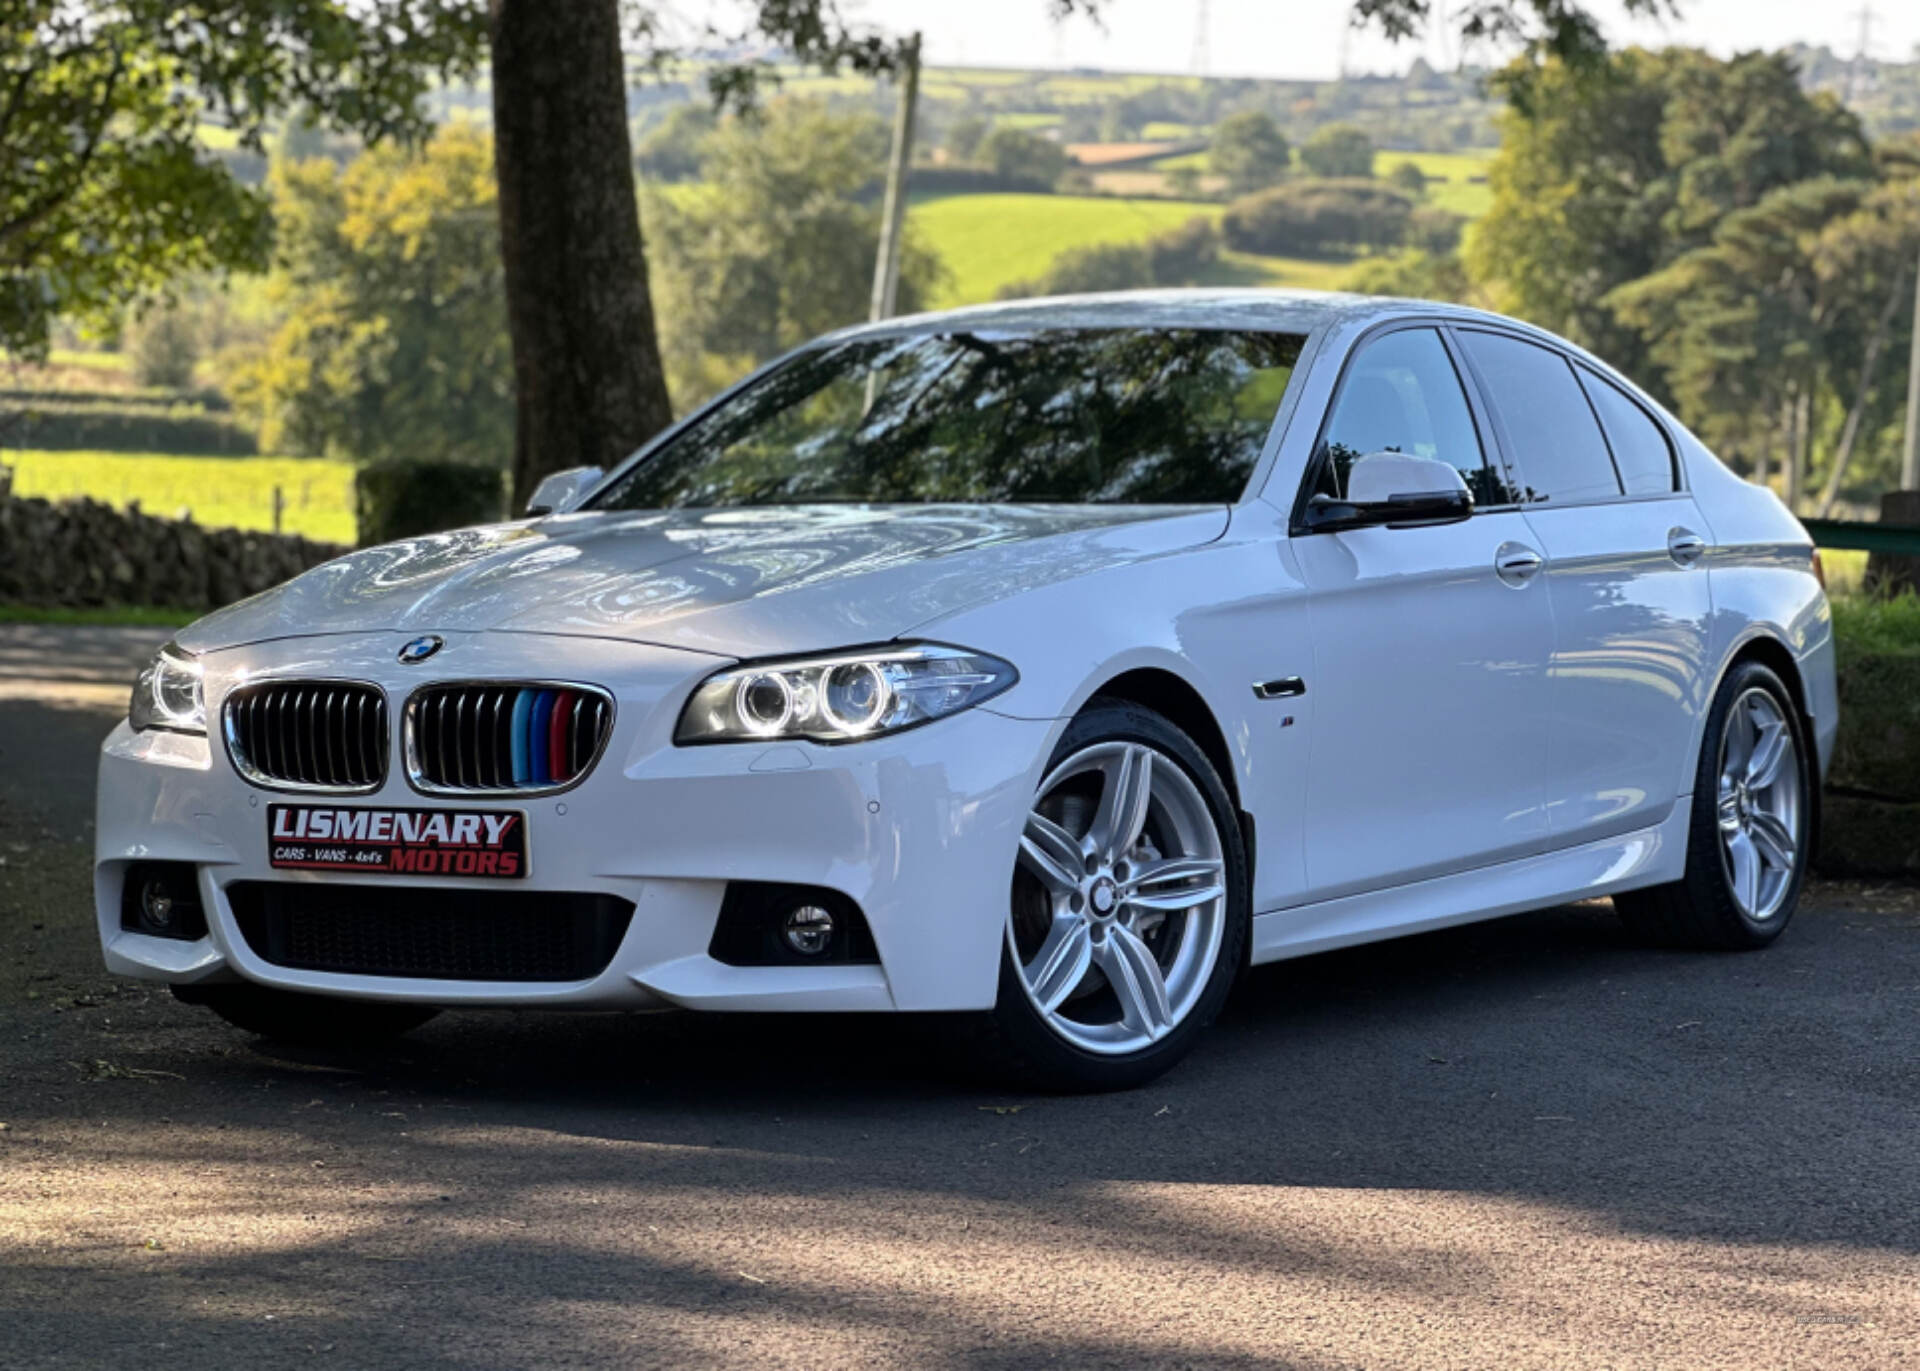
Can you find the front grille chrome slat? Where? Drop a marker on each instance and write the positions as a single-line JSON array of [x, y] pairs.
[[447, 756], [323, 736]]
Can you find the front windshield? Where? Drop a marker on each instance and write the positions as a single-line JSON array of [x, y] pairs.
[[1061, 416]]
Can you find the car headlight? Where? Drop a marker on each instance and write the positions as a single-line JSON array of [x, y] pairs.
[[169, 694], [851, 695]]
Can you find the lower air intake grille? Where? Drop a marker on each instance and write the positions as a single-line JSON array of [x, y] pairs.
[[459, 935], [312, 735], [506, 739]]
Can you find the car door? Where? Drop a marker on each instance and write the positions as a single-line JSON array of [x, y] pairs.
[[1430, 645], [1626, 574]]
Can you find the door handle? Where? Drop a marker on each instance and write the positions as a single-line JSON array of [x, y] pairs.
[[1685, 546], [1283, 689], [1516, 563]]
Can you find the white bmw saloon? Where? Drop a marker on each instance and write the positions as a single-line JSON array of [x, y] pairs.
[[1046, 664]]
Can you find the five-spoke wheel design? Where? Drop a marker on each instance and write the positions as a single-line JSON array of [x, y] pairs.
[[1120, 900], [1760, 804]]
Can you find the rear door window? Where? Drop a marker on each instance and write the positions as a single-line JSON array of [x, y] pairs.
[[1640, 448], [1557, 444]]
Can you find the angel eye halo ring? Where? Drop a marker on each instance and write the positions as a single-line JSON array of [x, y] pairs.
[[840, 697]]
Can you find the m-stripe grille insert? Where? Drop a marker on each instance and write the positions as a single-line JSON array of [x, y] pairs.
[[504, 739], [309, 735]]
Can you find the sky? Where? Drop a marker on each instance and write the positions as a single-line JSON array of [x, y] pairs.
[[1304, 38]]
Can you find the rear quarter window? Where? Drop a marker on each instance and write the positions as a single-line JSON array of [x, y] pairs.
[[1640, 447]]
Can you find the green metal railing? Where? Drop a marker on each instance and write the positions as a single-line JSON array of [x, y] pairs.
[[1847, 533]]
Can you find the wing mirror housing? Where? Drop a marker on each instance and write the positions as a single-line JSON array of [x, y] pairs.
[[1395, 489], [562, 491]]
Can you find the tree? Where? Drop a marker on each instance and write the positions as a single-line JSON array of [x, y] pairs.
[[1562, 32], [1184, 181], [166, 348], [587, 371], [1748, 329], [775, 246], [672, 151], [1249, 151], [395, 338], [1620, 171], [1770, 337], [1338, 150], [102, 99], [106, 195], [1407, 176], [965, 137], [1026, 158]]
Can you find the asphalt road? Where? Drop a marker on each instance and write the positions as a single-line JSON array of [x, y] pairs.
[[1528, 1144]]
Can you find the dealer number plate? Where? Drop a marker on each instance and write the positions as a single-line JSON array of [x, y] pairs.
[[398, 842]]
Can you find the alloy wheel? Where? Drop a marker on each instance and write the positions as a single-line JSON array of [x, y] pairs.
[[1120, 898], [1760, 804]]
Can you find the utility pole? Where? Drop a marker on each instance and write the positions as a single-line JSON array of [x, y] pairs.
[[1858, 81], [1202, 59], [1910, 462], [886, 269]]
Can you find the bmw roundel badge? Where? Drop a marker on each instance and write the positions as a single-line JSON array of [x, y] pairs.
[[420, 649]]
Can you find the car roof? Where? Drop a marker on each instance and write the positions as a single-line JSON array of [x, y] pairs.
[[1272, 311]]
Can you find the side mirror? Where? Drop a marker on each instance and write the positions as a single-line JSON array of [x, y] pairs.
[[1396, 489], [560, 492]]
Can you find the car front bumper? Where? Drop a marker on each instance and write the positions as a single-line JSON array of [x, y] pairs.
[[919, 829]]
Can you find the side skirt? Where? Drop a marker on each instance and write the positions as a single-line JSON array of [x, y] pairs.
[[1649, 856]]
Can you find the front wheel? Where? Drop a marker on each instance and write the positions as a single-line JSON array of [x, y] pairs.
[[1751, 832], [1129, 906]]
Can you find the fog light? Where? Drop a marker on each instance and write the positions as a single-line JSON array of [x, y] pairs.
[[156, 907], [808, 929], [162, 900]]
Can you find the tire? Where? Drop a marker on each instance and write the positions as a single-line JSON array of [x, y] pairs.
[[287, 1016], [1722, 903], [1094, 1038]]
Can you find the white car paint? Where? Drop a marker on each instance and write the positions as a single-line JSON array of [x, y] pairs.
[[1466, 746]]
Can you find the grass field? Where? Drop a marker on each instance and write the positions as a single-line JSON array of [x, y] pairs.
[[221, 492], [989, 241]]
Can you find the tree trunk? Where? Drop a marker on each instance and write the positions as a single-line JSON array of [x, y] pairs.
[[586, 361], [1862, 391], [1798, 414]]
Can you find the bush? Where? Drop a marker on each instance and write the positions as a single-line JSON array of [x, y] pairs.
[[89, 427], [1178, 258], [405, 498], [1878, 663], [1435, 231], [1183, 256], [1018, 155], [1088, 271], [166, 348], [1871, 813], [1313, 218], [960, 181]]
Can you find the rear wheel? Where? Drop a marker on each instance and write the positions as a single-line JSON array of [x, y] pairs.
[[1129, 907], [307, 1020], [1751, 831]]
